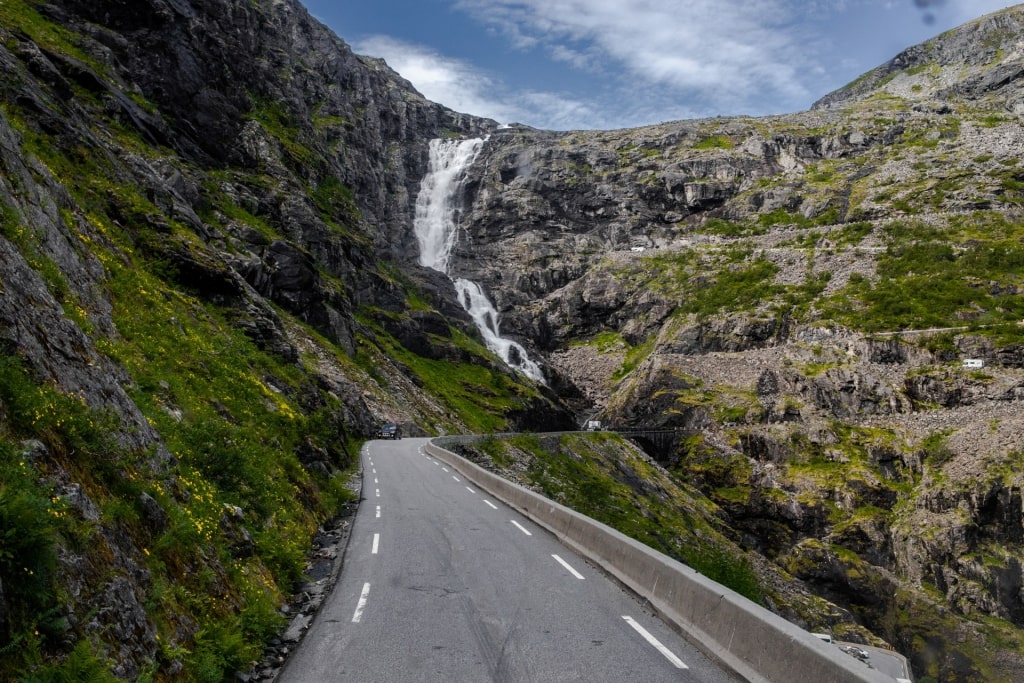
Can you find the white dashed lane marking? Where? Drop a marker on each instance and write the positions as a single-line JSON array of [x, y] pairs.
[[669, 655], [361, 605], [568, 567], [520, 527]]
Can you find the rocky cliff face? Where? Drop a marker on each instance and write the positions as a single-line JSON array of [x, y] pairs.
[[259, 90]]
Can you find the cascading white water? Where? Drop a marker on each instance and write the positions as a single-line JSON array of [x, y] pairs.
[[486, 318], [436, 228], [435, 224]]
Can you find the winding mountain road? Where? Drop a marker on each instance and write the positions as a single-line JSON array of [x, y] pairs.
[[442, 583]]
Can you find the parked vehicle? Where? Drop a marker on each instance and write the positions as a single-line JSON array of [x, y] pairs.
[[389, 430], [854, 651]]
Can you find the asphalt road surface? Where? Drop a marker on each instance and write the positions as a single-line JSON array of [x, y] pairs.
[[442, 583]]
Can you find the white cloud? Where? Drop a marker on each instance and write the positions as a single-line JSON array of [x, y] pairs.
[[556, 112], [580, 60], [717, 51], [464, 88], [453, 83]]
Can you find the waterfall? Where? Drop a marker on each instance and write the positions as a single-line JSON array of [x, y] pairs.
[[436, 227], [436, 222]]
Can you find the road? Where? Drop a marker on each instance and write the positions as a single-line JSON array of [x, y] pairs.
[[442, 583]]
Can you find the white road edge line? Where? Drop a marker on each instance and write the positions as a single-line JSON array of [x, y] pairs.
[[491, 504], [376, 544], [520, 527], [568, 567], [669, 655], [361, 605]]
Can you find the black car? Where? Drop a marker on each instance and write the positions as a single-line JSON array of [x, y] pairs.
[[389, 430]]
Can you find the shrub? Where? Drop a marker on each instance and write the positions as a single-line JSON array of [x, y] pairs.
[[936, 450], [714, 142], [81, 666], [782, 217], [735, 290], [219, 650], [719, 226], [729, 569], [28, 535], [852, 233]]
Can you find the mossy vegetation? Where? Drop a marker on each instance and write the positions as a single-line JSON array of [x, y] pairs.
[[740, 283], [481, 395], [15, 229], [714, 142], [230, 416], [719, 226], [851, 234], [605, 342], [926, 284], [734, 289], [42, 429], [634, 356], [286, 131], [44, 32], [31, 521], [601, 476]]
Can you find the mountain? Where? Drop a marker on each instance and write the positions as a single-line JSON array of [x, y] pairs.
[[210, 295], [203, 313]]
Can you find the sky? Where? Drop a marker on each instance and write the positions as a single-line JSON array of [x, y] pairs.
[[606, 64]]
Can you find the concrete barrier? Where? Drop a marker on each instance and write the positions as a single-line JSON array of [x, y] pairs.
[[756, 644]]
